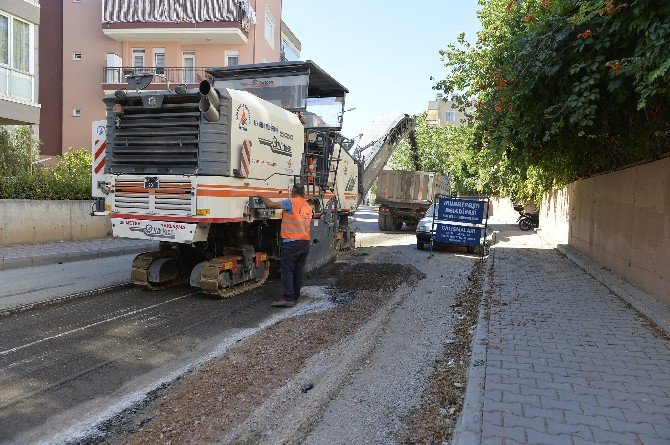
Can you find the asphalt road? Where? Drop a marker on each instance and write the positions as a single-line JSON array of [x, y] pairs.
[[56, 358], [67, 365]]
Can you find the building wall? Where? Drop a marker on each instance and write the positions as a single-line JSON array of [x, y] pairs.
[[51, 78], [440, 108], [621, 219], [82, 79], [263, 51]]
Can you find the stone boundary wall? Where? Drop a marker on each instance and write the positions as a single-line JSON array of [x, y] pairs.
[[502, 211], [621, 220], [27, 221]]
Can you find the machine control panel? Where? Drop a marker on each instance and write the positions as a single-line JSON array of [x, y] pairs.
[[258, 210]]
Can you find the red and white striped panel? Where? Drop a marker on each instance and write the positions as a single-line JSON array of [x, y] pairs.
[[245, 158], [99, 147]]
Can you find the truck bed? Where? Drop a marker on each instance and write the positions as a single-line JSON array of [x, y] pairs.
[[409, 187]]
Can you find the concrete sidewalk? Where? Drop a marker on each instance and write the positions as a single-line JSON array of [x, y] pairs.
[[14, 257], [567, 361]]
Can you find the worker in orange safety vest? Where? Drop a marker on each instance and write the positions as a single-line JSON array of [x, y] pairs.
[[295, 233]]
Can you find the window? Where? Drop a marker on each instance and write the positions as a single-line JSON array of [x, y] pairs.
[[15, 43], [138, 58], [4, 40], [21, 46], [232, 58], [288, 52], [159, 60], [189, 66], [450, 116], [76, 56], [269, 28], [76, 112]]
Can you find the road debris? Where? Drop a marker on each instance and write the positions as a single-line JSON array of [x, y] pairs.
[[445, 390]]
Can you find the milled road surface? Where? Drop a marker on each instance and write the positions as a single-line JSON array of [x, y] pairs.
[[71, 364], [96, 350], [58, 357]]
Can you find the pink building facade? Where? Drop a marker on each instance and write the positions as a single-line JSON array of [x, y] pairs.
[[105, 40]]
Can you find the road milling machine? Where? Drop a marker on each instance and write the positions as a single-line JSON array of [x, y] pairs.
[[186, 167]]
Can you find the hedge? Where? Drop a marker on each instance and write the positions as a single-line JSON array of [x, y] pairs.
[[70, 178]]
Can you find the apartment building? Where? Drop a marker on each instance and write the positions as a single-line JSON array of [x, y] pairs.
[[444, 112], [290, 45], [19, 34], [103, 41]]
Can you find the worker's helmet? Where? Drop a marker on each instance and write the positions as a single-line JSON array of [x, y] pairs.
[[298, 189]]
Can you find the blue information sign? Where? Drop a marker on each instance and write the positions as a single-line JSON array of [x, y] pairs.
[[460, 210], [465, 235]]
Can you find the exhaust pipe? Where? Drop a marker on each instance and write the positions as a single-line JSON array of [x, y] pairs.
[[209, 102]]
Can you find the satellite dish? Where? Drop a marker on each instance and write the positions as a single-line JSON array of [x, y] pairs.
[[139, 81]]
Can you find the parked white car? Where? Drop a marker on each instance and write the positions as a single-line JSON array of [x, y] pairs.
[[424, 227]]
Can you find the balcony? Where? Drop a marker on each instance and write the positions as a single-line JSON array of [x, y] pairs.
[[17, 100], [115, 78], [179, 21], [16, 85]]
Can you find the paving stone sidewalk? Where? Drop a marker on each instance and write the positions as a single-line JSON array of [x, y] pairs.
[[567, 361]]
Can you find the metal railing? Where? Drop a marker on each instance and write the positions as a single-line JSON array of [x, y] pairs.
[[162, 74]]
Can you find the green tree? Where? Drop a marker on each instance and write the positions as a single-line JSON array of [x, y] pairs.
[[432, 149], [564, 88], [19, 149]]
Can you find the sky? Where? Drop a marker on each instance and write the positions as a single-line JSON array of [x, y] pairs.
[[383, 52]]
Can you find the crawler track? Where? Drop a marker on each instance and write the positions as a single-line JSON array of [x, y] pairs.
[[140, 273], [209, 279]]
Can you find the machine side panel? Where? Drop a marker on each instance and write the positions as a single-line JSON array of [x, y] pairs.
[[273, 137], [347, 181], [215, 141]]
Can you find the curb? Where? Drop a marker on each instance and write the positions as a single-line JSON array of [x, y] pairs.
[[468, 429], [643, 302], [66, 257]]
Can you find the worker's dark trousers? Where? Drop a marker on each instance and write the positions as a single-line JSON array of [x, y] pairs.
[[293, 257]]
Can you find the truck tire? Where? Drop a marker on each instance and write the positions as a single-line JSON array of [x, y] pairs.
[[419, 245], [397, 225], [383, 222]]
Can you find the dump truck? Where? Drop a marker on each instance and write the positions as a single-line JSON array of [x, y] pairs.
[[188, 167], [405, 196]]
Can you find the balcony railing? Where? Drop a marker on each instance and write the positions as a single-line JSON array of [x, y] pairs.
[[178, 11], [16, 84], [174, 75]]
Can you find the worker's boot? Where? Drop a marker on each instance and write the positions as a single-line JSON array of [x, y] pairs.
[[283, 303]]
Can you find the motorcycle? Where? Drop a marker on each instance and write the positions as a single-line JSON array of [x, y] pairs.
[[527, 220]]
